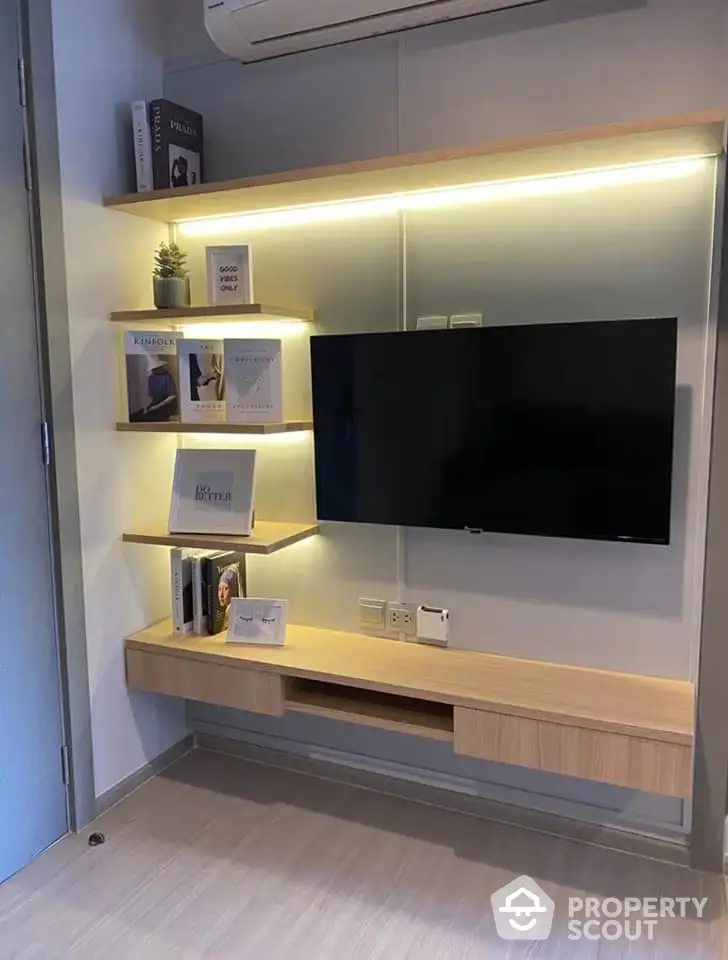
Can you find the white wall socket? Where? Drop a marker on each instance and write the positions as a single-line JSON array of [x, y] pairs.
[[433, 625], [402, 618]]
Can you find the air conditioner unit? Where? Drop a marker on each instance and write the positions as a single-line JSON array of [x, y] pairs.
[[251, 30]]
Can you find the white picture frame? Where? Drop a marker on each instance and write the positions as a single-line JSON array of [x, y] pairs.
[[229, 275], [213, 492], [258, 622]]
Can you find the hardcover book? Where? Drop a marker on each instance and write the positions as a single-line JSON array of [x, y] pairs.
[[202, 385], [182, 590], [177, 153], [152, 381], [224, 574], [142, 146], [199, 593], [254, 381], [213, 492]]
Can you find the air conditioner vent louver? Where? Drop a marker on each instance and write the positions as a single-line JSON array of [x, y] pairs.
[[251, 30]]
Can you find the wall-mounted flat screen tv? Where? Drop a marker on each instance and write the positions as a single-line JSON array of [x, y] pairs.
[[555, 429]]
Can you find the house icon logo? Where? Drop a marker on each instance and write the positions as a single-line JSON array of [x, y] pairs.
[[523, 911]]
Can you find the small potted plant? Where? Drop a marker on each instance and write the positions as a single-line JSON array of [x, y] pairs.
[[171, 280]]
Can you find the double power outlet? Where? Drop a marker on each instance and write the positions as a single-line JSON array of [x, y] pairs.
[[388, 619]]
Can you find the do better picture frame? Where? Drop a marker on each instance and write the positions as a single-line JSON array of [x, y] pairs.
[[212, 492]]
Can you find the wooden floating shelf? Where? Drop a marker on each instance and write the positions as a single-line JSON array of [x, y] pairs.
[[229, 314], [254, 429], [693, 134], [267, 537], [625, 729]]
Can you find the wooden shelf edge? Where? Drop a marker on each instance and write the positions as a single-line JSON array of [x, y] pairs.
[[206, 314], [512, 145], [268, 537], [159, 638], [254, 429]]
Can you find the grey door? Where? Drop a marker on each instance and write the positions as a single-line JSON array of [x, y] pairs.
[[32, 792]]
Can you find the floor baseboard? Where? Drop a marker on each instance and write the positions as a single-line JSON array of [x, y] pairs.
[[611, 838], [135, 780]]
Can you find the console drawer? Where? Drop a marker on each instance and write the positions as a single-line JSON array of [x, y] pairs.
[[626, 761], [222, 684]]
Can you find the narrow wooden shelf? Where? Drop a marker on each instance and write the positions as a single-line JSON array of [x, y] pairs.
[[692, 134], [268, 537], [257, 429], [382, 710], [204, 314], [631, 704]]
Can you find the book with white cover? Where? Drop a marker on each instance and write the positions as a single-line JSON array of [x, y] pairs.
[[202, 384], [182, 589], [254, 381], [212, 492], [142, 146]]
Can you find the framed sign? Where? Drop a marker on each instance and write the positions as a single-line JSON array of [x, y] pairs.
[[258, 621], [213, 492], [229, 275]]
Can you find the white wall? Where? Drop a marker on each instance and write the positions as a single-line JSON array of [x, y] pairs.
[[107, 53]]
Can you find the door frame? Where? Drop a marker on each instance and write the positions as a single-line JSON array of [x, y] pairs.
[[51, 308]]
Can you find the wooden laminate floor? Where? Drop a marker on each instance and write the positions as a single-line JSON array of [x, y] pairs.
[[228, 860]]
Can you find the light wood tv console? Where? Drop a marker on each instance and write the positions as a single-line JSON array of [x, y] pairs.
[[618, 728]]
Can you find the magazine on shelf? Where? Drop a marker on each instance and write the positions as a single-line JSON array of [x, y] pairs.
[[224, 577], [152, 378], [201, 380], [254, 381]]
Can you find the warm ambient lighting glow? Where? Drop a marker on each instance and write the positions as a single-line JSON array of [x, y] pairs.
[[277, 329], [524, 187]]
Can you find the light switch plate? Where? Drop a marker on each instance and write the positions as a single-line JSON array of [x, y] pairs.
[[432, 323], [459, 320], [373, 616]]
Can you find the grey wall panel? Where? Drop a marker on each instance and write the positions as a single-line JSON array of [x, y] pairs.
[[566, 64], [512, 73], [323, 107]]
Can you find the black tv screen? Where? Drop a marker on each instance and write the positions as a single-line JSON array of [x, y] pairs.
[[556, 430]]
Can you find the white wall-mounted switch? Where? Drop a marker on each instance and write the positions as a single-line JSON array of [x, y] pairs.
[[373, 616], [466, 320], [433, 625], [432, 323]]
